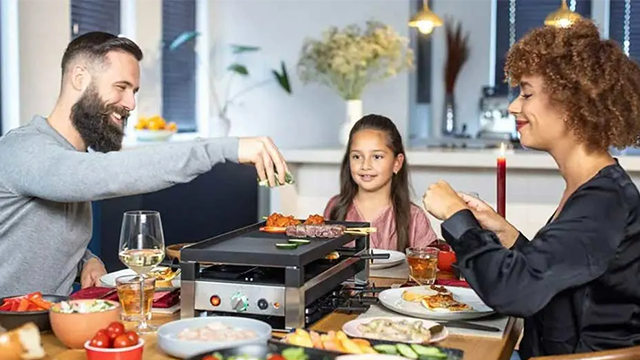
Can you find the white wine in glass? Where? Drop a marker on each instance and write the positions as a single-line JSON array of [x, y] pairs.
[[141, 249]]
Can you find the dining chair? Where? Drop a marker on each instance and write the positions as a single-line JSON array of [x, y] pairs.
[[630, 353]]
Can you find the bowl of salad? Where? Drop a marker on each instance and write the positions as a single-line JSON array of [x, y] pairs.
[[76, 321]]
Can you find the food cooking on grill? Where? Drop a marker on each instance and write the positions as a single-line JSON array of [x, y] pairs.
[[403, 330], [279, 220], [216, 331], [316, 231], [314, 220]]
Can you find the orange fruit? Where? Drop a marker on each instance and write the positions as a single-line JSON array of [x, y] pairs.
[[172, 126]]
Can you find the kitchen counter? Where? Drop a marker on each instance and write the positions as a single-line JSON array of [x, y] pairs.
[[453, 158], [534, 185]]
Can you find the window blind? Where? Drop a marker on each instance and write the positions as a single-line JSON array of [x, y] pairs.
[[624, 25], [95, 15], [514, 18], [179, 65]]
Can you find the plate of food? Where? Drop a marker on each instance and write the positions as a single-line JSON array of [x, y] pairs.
[[166, 279], [189, 337], [395, 258], [435, 302], [400, 329], [338, 342]]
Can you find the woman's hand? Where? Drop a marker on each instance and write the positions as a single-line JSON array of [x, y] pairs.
[[491, 220], [442, 201]]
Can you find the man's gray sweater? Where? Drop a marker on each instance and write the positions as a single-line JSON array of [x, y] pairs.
[[46, 189]]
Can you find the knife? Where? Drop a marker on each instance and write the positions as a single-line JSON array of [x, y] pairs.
[[468, 325]]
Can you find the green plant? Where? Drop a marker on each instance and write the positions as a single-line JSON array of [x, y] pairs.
[[236, 68], [348, 60]]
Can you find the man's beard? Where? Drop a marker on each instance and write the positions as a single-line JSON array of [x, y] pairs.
[[92, 118]]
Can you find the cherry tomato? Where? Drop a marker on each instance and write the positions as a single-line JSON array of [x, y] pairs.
[[275, 357], [114, 329], [210, 357], [100, 341], [132, 336], [103, 332], [122, 341]]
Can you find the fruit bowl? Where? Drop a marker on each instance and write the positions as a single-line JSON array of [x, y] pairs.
[[153, 135]]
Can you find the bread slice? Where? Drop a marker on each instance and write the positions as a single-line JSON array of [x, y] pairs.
[[23, 343]]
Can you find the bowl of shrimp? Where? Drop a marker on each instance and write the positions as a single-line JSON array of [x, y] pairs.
[[188, 337]]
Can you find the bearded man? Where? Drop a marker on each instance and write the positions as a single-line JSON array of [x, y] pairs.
[[52, 168]]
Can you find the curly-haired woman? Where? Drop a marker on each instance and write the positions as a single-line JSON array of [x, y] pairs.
[[576, 283]]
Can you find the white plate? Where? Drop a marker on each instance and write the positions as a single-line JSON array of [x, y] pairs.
[[169, 342], [351, 328], [109, 280], [395, 258], [392, 299]]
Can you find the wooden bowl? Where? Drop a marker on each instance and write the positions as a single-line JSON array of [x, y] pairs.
[[173, 251]]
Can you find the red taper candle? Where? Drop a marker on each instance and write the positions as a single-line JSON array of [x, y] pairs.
[[502, 182]]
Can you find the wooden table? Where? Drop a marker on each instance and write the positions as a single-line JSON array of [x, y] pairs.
[[474, 347]]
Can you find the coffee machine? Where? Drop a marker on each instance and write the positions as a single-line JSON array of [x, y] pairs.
[[495, 121]]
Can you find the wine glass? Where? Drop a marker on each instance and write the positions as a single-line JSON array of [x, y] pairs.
[[141, 249]]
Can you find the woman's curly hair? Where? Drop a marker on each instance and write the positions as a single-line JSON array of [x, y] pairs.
[[591, 79]]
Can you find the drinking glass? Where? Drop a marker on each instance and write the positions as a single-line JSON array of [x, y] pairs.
[[128, 287], [423, 264], [141, 249]]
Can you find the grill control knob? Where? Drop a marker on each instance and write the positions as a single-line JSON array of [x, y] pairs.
[[240, 302], [263, 304]]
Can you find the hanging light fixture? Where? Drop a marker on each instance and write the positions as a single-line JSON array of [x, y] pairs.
[[425, 20], [563, 17]]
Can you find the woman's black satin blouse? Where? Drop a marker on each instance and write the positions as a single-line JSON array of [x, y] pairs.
[[577, 283]]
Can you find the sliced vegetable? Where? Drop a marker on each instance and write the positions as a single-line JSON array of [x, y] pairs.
[[386, 349], [287, 246], [406, 351], [428, 351], [299, 241]]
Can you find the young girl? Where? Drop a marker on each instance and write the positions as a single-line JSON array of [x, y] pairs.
[[374, 188]]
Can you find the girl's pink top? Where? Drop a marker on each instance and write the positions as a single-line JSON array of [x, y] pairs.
[[420, 232]]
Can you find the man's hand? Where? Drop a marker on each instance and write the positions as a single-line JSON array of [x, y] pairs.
[[92, 271], [263, 153], [442, 201]]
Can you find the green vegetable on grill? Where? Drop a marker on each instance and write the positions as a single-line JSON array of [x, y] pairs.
[[288, 180]]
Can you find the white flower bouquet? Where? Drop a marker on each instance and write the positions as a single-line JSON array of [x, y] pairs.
[[350, 59]]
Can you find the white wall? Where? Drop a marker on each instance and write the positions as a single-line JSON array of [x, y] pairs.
[[44, 33], [475, 18], [312, 115]]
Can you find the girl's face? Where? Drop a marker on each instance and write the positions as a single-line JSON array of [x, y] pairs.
[[372, 162]]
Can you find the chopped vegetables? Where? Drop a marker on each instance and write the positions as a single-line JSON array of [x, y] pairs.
[[288, 180], [83, 307], [25, 303], [338, 341]]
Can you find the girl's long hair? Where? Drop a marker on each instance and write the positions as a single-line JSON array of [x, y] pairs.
[[399, 182]]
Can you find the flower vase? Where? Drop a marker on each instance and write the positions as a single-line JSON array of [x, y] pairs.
[[449, 118], [354, 113]]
